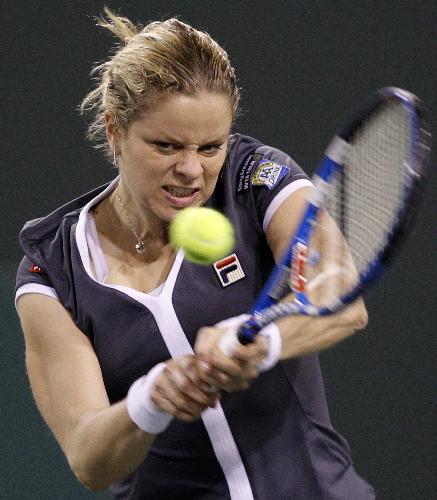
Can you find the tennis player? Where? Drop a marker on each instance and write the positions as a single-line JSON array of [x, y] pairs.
[[111, 312]]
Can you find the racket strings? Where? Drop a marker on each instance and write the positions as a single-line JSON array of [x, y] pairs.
[[366, 200]]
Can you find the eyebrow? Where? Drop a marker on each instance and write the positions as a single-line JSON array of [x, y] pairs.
[[175, 142]]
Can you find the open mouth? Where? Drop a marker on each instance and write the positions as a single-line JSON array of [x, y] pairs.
[[180, 192]]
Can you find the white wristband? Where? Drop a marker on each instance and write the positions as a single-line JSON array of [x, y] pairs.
[[270, 332], [141, 408], [274, 346], [233, 322], [230, 341]]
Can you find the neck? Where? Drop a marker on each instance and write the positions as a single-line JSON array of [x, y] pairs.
[[148, 233]]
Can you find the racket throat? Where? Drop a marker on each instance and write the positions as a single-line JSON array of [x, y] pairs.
[[281, 286]]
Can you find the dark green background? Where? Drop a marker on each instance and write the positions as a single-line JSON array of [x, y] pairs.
[[303, 66]]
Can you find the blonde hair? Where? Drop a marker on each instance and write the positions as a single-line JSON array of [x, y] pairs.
[[152, 63]]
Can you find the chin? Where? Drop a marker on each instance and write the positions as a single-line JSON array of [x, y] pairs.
[[168, 214]]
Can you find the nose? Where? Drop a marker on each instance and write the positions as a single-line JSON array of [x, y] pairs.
[[189, 165]]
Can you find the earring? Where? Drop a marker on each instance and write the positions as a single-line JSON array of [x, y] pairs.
[[115, 159]]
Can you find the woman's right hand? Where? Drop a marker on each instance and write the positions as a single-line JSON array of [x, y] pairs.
[[180, 391]]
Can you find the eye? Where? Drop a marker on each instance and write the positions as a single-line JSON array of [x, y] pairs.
[[210, 149], [165, 147]]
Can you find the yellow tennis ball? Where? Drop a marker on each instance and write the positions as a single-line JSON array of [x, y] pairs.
[[205, 235]]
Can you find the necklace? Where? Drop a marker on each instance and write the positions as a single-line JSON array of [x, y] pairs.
[[140, 247]]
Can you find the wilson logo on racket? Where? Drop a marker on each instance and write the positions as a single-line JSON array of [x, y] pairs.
[[229, 270]]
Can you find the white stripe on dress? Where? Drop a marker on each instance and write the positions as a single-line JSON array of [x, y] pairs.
[[161, 306]]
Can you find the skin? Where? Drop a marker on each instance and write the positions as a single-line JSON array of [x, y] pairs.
[[180, 144], [177, 148], [169, 158], [301, 336]]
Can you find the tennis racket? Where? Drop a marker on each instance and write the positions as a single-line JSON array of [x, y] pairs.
[[366, 191]]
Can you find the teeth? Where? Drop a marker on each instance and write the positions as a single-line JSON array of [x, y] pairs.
[[180, 191]]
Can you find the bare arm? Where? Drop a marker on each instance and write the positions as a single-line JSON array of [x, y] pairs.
[[300, 335], [303, 335], [101, 443]]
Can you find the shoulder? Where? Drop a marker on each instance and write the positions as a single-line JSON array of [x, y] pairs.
[[41, 235], [253, 163], [52, 257], [241, 145], [255, 180]]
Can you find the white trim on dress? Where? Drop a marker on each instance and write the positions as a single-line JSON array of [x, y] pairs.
[[35, 288], [281, 197]]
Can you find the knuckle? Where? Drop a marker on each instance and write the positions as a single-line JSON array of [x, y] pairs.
[[156, 400], [184, 385], [181, 415], [180, 404], [167, 370]]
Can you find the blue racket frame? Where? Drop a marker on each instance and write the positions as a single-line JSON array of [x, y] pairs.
[[266, 308]]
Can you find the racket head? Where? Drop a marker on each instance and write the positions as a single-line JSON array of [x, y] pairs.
[[381, 179], [368, 184]]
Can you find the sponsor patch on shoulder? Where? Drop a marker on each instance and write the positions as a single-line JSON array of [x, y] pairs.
[[246, 172], [268, 173]]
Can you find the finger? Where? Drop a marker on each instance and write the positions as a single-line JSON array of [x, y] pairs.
[[170, 407], [185, 390], [235, 385], [239, 386], [220, 363], [255, 350], [216, 378], [243, 381], [173, 400], [197, 372], [201, 391], [206, 338], [250, 373]]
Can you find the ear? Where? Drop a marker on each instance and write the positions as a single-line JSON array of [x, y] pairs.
[[111, 132]]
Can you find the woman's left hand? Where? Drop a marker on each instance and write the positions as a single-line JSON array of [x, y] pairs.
[[228, 373]]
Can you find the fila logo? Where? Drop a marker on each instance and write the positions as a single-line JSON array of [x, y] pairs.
[[229, 270]]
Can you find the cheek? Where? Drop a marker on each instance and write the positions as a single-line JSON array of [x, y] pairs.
[[141, 167], [214, 168], [211, 176]]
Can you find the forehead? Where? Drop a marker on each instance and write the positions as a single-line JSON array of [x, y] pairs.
[[186, 119]]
